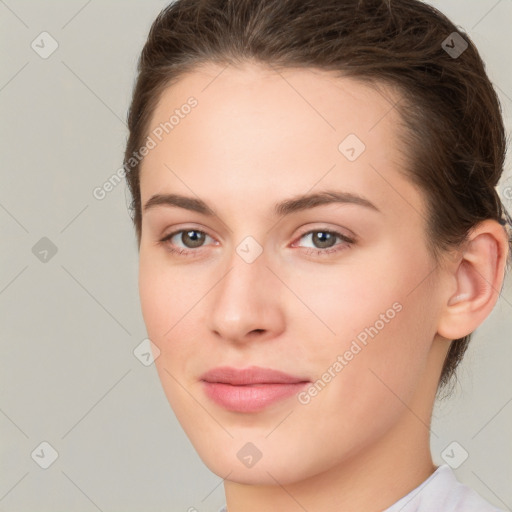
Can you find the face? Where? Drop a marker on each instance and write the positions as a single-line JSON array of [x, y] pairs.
[[239, 270]]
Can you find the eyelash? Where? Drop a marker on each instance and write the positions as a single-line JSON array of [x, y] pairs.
[[348, 242]]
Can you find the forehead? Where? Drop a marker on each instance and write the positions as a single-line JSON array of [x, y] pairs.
[[323, 99], [271, 129]]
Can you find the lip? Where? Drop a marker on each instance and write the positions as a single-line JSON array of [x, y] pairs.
[[250, 389]]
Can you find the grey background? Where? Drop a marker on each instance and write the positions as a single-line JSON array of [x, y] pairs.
[[69, 325]]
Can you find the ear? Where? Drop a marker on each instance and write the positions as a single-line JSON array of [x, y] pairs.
[[478, 274]]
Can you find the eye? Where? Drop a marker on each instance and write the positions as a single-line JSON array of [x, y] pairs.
[[324, 241], [189, 238], [192, 240]]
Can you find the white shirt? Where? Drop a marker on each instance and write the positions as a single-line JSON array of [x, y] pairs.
[[440, 492]]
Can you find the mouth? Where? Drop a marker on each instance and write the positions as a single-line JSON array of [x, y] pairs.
[[251, 389]]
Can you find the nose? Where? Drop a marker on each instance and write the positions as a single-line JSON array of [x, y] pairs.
[[246, 303]]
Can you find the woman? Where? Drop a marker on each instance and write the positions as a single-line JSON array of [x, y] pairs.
[[319, 232]]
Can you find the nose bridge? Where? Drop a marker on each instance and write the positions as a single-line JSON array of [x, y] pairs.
[[241, 302], [242, 284], [241, 280]]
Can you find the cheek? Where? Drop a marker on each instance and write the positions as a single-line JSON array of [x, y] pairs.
[[367, 372], [374, 317], [172, 301], [166, 294], [155, 299], [167, 298], [347, 301]]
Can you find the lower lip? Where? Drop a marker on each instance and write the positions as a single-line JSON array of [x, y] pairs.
[[250, 398]]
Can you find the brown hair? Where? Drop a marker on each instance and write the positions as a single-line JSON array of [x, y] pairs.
[[455, 131]]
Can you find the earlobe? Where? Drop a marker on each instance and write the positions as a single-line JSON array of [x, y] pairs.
[[479, 277]]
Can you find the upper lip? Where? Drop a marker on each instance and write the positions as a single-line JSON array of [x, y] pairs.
[[251, 375]]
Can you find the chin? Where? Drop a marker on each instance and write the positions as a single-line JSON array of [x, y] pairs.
[[229, 461], [259, 474]]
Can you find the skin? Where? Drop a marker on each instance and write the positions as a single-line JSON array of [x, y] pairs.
[[258, 137]]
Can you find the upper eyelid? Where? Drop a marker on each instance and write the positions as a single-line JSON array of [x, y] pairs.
[[186, 228], [339, 231]]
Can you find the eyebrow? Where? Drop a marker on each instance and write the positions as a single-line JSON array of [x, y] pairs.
[[286, 207]]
